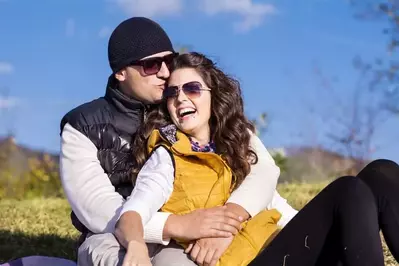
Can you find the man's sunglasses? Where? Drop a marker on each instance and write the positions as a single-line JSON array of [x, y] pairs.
[[152, 65], [191, 89]]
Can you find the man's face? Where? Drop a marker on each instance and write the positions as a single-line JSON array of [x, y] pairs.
[[141, 86]]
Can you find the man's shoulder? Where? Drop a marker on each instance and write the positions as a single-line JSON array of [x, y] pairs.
[[85, 114]]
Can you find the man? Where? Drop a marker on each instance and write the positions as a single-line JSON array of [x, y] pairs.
[[96, 154]]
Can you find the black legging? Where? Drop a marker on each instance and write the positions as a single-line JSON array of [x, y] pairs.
[[342, 223]]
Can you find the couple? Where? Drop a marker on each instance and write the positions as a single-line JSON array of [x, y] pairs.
[[173, 127]]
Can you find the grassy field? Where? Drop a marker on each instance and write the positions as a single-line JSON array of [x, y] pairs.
[[42, 226]]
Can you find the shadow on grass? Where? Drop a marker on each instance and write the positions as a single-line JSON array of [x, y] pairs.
[[15, 245]]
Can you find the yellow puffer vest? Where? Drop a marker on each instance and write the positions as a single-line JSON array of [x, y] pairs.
[[203, 180]]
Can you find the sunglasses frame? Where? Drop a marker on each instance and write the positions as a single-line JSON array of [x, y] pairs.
[[167, 59], [180, 88]]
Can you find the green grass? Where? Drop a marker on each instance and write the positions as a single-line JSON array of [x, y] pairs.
[[36, 227], [43, 227]]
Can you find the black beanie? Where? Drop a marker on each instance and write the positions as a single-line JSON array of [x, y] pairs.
[[134, 39]]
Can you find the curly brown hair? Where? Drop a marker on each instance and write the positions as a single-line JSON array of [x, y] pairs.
[[230, 129]]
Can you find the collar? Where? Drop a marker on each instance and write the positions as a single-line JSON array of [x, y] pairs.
[[122, 102], [181, 140]]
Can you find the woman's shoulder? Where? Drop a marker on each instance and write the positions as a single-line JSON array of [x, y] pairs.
[[166, 133], [166, 136]]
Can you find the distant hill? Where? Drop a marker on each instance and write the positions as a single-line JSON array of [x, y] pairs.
[[317, 164], [16, 157], [303, 163]]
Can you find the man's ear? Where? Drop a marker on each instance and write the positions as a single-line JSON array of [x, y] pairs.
[[121, 75]]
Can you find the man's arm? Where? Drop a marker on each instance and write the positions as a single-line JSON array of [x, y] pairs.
[[257, 190], [287, 211], [89, 190]]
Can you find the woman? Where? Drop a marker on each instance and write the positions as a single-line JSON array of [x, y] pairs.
[[206, 180], [344, 210]]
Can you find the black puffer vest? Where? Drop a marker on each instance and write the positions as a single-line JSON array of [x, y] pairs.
[[110, 122]]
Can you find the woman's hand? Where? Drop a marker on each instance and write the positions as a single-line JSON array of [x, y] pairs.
[[207, 251], [203, 223], [137, 254]]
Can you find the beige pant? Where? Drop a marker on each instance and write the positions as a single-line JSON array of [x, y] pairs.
[[105, 250]]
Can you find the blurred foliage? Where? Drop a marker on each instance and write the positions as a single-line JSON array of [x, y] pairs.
[[28, 176], [261, 124]]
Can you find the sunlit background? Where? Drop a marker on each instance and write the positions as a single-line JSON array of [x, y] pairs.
[[319, 77]]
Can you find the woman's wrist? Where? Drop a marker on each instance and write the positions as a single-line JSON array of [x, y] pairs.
[[129, 228]]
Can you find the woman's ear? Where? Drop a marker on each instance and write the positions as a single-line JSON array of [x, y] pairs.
[[121, 75]]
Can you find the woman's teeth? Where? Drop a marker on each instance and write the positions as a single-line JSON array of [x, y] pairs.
[[186, 111]]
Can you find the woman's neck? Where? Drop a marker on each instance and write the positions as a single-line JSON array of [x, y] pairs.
[[204, 140], [201, 137]]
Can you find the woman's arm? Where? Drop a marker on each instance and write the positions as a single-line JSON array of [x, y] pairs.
[[129, 228], [154, 185], [129, 232], [258, 188]]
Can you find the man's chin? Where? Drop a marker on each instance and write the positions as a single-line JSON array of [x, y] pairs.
[[158, 97], [156, 100]]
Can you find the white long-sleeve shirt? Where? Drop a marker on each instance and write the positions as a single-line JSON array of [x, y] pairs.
[[97, 205], [154, 186]]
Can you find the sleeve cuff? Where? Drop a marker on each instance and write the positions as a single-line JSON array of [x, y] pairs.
[[153, 230]]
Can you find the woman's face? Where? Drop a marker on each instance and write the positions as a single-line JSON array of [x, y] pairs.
[[190, 109]]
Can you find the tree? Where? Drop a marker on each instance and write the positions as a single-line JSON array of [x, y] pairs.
[[386, 72], [351, 118]]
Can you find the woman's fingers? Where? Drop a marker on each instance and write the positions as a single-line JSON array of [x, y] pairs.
[[209, 257], [216, 256], [194, 252], [201, 256], [189, 248]]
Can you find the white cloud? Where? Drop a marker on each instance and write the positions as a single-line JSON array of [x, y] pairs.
[[104, 32], [70, 27], [6, 68], [7, 102], [252, 14], [150, 8]]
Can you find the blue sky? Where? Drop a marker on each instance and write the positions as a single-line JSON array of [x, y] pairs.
[[53, 57]]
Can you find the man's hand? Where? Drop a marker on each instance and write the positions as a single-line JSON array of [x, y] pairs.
[[207, 251], [203, 223], [137, 254]]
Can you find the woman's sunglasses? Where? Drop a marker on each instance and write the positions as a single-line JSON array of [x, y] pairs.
[[152, 65], [191, 89]]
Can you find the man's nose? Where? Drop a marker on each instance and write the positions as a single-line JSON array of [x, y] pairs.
[[164, 72]]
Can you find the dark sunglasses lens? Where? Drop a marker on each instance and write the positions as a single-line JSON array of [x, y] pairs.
[[192, 89], [151, 66], [168, 59], [169, 92]]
